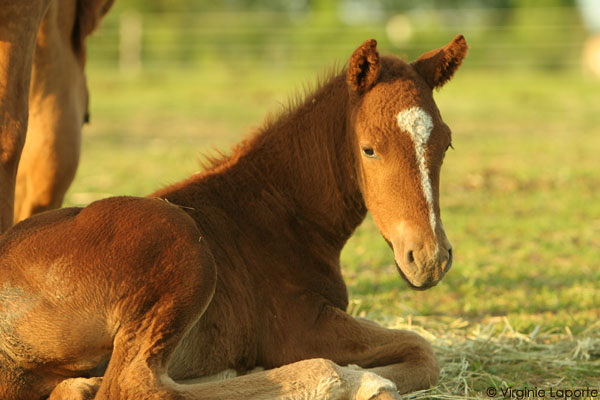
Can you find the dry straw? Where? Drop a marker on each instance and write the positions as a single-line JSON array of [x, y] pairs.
[[477, 357]]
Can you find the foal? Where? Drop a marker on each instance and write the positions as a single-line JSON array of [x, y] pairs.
[[238, 267]]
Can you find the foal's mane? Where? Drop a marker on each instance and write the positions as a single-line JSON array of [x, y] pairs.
[[297, 164], [301, 97], [299, 101]]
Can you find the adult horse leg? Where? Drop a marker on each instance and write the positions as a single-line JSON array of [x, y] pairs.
[[58, 102], [19, 23], [57, 105]]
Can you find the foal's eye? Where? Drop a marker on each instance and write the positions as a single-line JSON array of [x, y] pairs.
[[369, 152]]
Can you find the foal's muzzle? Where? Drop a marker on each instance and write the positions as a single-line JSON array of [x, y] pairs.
[[421, 258], [424, 277]]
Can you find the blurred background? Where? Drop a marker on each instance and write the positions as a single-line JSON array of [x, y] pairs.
[[305, 34], [170, 80], [209, 70]]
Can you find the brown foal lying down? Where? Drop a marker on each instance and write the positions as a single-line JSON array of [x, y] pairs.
[[238, 267]]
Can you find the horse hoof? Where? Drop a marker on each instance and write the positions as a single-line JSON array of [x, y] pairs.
[[386, 396], [374, 387], [76, 389]]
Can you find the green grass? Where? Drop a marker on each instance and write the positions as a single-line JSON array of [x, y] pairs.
[[520, 202]]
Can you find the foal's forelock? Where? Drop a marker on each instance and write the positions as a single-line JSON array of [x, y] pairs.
[[418, 124]]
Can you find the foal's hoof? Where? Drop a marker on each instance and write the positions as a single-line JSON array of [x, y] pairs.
[[374, 387], [386, 396], [76, 389]]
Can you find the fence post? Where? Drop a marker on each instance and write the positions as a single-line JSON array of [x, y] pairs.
[[591, 56], [130, 42]]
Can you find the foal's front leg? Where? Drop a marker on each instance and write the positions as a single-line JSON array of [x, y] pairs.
[[403, 357], [314, 379]]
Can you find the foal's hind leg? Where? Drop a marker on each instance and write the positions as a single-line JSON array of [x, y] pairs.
[[148, 337], [76, 389]]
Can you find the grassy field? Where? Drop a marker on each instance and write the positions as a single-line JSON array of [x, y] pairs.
[[520, 202]]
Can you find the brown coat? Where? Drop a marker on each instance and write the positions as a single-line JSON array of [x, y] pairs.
[[43, 97]]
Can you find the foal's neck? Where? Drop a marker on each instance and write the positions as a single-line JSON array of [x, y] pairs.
[[296, 176], [306, 157]]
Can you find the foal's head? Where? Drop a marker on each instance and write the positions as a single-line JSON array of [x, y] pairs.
[[400, 142]]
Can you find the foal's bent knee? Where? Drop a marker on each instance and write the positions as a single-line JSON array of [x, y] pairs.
[[426, 366]]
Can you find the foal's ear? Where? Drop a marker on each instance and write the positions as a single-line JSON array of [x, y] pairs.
[[438, 66], [363, 69]]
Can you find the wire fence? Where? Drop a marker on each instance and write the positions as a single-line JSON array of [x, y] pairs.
[[542, 38]]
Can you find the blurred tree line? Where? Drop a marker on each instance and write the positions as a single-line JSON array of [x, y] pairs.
[[158, 6], [545, 34]]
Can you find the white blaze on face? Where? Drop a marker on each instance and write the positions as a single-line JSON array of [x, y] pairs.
[[419, 125]]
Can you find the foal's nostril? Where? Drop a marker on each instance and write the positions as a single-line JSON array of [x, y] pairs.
[[449, 263], [410, 257], [409, 262]]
